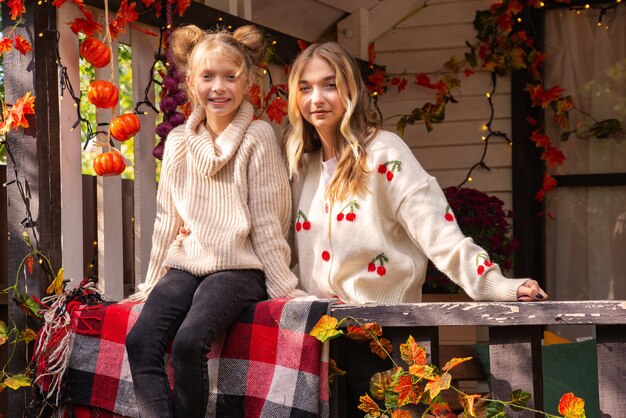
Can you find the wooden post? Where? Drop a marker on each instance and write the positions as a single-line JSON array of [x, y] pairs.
[[611, 349], [143, 50], [353, 33], [515, 363], [35, 152]]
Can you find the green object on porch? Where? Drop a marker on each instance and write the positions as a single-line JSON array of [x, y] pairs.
[[566, 368]]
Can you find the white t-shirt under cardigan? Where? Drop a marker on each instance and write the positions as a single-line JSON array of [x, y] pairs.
[[233, 197], [375, 247]]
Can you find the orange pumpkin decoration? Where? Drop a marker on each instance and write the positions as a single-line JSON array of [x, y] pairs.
[[109, 163], [125, 126], [102, 94], [95, 52]]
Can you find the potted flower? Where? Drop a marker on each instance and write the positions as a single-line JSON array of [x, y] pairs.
[[483, 218]]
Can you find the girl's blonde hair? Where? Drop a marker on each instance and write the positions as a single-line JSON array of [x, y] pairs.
[[354, 130], [191, 46]]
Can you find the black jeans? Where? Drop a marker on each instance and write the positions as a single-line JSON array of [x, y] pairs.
[[193, 311]]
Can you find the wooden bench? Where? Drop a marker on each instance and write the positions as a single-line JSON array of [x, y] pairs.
[[515, 331]]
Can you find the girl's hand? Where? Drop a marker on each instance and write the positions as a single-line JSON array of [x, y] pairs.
[[530, 291], [182, 233]]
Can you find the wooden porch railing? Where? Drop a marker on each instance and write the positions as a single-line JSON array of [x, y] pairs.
[[515, 331]]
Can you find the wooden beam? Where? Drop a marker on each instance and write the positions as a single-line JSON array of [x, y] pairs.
[[388, 14], [35, 152], [353, 33], [350, 6]]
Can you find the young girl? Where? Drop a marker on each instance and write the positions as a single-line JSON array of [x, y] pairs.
[[373, 216], [224, 183], [367, 216]]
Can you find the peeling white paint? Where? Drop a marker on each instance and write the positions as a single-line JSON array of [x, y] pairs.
[[532, 316], [576, 315], [595, 314]]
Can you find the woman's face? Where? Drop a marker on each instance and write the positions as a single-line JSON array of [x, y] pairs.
[[318, 98], [218, 88]]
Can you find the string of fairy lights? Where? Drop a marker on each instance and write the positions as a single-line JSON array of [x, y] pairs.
[[487, 128]]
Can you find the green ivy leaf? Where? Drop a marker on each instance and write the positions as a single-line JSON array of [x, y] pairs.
[[496, 410], [4, 333], [27, 239], [401, 125], [519, 398]]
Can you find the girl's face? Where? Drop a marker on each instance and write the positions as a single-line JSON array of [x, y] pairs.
[[318, 98], [219, 89]]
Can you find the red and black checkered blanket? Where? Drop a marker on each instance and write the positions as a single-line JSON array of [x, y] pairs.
[[267, 365]]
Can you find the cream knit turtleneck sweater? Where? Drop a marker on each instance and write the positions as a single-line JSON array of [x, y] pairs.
[[232, 193]]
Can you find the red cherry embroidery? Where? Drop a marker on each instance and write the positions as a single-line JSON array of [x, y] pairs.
[[351, 215], [482, 261], [302, 222], [389, 168], [381, 259], [325, 255]]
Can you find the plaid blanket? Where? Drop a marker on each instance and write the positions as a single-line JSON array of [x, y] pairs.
[[267, 365]]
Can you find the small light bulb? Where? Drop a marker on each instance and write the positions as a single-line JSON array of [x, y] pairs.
[[375, 93], [484, 138], [599, 23], [469, 179], [264, 71], [519, 20], [230, 27], [484, 127], [90, 265], [75, 105], [541, 4], [273, 42], [95, 243], [219, 19], [606, 27], [145, 112], [587, 6], [577, 12], [169, 26], [488, 95], [40, 261], [41, 34]]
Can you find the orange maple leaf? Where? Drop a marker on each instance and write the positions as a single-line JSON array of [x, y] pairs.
[[422, 371], [553, 156], [540, 139], [182, 5], [467, 402], [378, 350], [442, 410], [6, 45], [369, 406], [571, 406], [541, 97], [455, 362], [407, 392], [438, 383], [412, 353], [277, 109], [17, 8], [22, 45], [125, 14], [16, 115], [85, 25]]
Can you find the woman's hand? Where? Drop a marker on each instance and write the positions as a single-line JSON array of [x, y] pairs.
[[530, 291]]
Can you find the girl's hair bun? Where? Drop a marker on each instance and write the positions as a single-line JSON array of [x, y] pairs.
[[182, 42], [253, 39]]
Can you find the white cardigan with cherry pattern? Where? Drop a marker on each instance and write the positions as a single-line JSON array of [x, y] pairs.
[[375, 247]]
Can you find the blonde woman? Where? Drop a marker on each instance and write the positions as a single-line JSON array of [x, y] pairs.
[[224, 183], [373, 215], [367, 217]]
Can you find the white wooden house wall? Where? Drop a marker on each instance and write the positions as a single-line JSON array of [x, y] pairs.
[[423, 43], [109, 189]]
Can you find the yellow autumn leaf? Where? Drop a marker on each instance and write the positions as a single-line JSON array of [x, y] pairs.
[[455, 362], [326, 329], [28, 335], [4, 333], [57, 284], [17, 381], [439, 383]]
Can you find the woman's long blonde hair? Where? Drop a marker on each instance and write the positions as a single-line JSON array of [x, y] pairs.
[[354, 130]]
